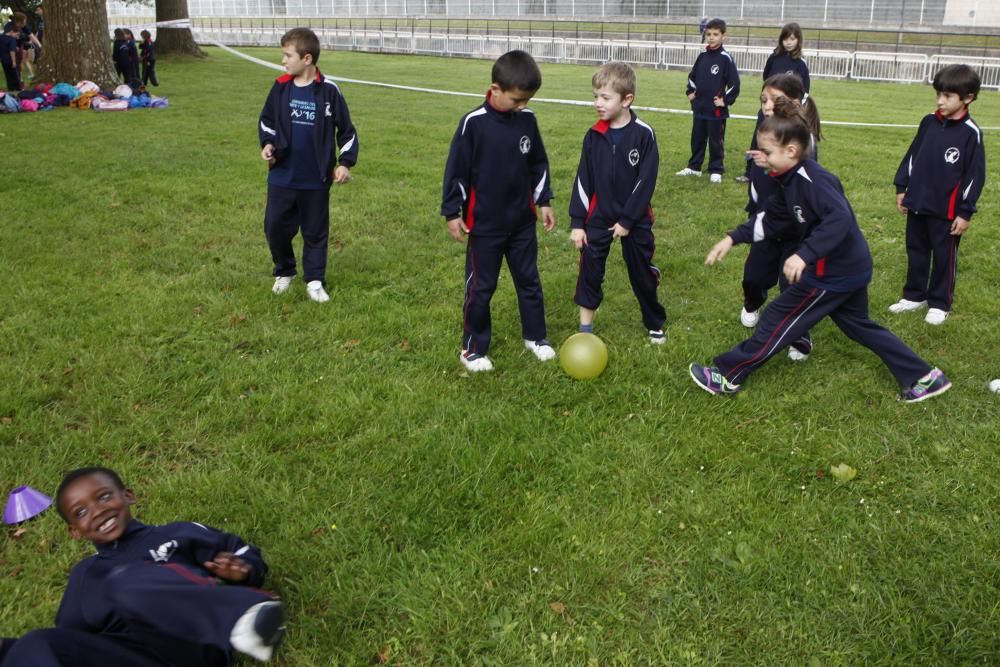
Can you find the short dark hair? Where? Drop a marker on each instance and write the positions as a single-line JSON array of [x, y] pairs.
[[716, 24], [304, 40], [74, 475], [517, 69], [959, 79]]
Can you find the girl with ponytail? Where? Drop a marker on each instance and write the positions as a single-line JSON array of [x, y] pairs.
[[828, 272]]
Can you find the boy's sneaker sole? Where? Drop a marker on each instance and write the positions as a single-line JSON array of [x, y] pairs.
[[260, 630]]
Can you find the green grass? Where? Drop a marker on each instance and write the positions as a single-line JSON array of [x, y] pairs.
[[512, 518]]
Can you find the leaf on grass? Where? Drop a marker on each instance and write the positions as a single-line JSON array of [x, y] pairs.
[[843, 472], [7, 420], [316, 532], [557, 607], [488, 585], [405, 345], [350, 344], [237, 319], [380, 658], [19, 533]]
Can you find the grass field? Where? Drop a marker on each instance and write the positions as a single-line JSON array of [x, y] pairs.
[[412, 514]]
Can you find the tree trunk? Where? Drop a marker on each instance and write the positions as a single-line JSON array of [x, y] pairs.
[[77, 43], [174, 40]]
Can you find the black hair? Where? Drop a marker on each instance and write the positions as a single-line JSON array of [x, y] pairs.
[[716, 24], [119, 33], [517, 69], [304, 40], [74, 475], [788, 125], [790, 84], [959, 79], [790, 30]]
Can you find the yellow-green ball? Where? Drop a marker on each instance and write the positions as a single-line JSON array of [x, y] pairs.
[[583, 356]]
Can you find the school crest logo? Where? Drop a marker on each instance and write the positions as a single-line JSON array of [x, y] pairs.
[[328, 113], [951, 155], [525, 145], [715, 69], [633, 157], [163, 552], [798, 215]]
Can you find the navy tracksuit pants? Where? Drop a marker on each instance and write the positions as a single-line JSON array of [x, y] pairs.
[[167, 615], [637, 251], [483, 256], [289, 211], [753, 143], [932, 261], [797, 310], [712, 131], [762, 270]]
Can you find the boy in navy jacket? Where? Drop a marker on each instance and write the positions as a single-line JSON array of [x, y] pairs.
[[496, 175], [304, 121], [150, 596], [713, 86], [828, 274], [937, 186], [148, 48], [8, 58], [612, 200]]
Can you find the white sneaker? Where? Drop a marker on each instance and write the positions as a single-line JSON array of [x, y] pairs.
[[259, 630], [475, 363], [542, 349], [687, 171], [657, 336], [995, 386], [936, 316], [314, 289], [795, 355], [715, 178], [749, 319], [905, 306], [281, 284]]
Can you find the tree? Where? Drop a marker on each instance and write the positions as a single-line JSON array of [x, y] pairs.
[[77, 44], [174, 40]]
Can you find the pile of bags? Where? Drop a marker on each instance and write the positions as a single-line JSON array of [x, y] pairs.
[[84, 95]]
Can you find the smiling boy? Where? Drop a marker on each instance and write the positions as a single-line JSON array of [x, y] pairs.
[[150, 596]]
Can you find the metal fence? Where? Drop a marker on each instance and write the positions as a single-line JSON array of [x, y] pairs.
[[823, 63]]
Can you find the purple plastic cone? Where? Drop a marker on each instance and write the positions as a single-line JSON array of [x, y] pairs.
[[24, 503]]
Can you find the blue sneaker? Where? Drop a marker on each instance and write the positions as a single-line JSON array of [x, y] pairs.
[[928, 386], [711, 380]]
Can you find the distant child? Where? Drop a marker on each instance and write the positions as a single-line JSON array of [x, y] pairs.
[[8, 58], [497, 173], [762, 269], [937, 186], [131, 62], [305, 120], [148, 48], [150, 596], [785, 59], [612, 200], [713, 86], [119, 52], [828, 274]]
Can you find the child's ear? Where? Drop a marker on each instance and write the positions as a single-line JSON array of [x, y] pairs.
[[129, 496], [627, 100], [968, 99], [74, 532]]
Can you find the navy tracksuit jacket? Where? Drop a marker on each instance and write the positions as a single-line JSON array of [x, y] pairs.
[[290, 209], [615, 184], [148, 48], [835, 282], [714, 74], [147, 601], [942, 175], [496, 174]]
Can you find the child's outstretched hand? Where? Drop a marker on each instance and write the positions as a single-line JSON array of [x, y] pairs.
[[228, 566], [456, 227], [794, 266], [719, 251], [548, 218]]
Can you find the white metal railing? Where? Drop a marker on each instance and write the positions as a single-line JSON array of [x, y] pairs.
[[830, 64]]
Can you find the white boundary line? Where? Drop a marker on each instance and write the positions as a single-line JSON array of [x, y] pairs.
[[437, 91]]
